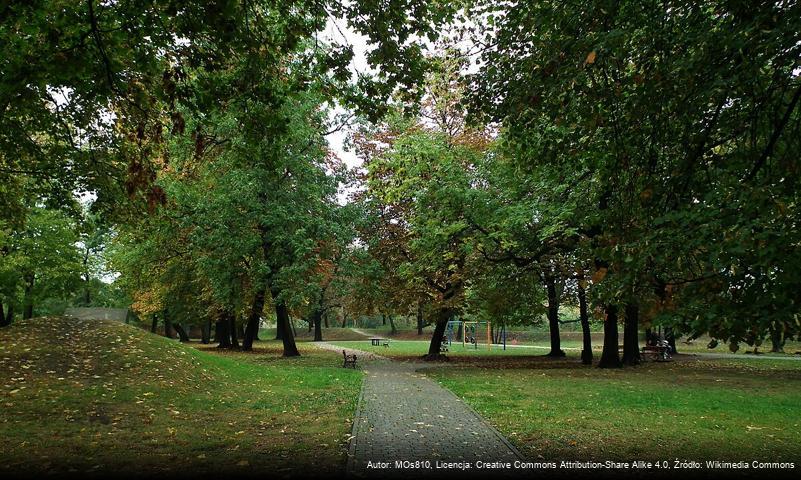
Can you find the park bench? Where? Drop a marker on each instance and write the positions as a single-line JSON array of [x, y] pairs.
[[350, 360], [375, 341], [657, 353]]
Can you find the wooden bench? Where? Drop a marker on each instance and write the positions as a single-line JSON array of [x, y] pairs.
[[376, 341], [657, 353], [350, 360]]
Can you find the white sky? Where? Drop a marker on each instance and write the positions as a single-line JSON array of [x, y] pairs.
[[337, 31]]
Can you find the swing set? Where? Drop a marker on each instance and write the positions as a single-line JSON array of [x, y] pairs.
[[469, 330]]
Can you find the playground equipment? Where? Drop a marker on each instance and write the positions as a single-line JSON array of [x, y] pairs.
[[471, 333]]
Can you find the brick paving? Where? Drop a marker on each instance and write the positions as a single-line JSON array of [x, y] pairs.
[[405, 416]]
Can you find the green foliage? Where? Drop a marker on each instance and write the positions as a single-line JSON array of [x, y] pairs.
[[665, 131], [40, 261]]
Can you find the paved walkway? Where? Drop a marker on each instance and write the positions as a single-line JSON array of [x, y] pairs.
[[404, 416]]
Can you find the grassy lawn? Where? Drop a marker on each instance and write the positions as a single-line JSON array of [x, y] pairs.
[[538, 339], [83, 396], [695, 410], [411, 349]]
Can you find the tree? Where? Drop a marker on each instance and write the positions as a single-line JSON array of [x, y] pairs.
[[663, 116], [40, 260]]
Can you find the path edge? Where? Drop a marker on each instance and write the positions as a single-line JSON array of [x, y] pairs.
[[351, 465], [481, 418]]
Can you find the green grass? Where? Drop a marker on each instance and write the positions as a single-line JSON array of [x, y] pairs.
[[102, 396], [732, 409], [410, 349]]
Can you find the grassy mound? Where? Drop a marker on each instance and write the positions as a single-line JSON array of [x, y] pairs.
[[101, 396]]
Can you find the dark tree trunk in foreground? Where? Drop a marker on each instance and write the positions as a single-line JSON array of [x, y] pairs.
[[222, 333], [6, 320], [776, 339], [279, 327], [290, 349], [232, 329], [317, 320], [553, 317], [206, 332], [344, 318], [586, 350], [254, 319], [27, 307], [631, 332], [3, 317], [392, 325], [419, 318], [383, 319], [436, 339], [182, 335], [609, 356], [155, 325], [167, 324]]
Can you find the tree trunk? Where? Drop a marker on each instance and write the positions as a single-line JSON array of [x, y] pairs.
[[182, 335], [776, 339], [392, 325], [383, 319], [344, 317], [631, 344], [27, 309], [553, 317], [232, 328], [325, 319], [281, 312], [217, 338], [2, 316], [436, 339], [650, 337], [317, 320], [279, 327], [155, 325], [609, 356], [419, 318], [167, 324], [223, 333], [206, 329], [586, 351], [87, 296], [9, 315], [254, 319]]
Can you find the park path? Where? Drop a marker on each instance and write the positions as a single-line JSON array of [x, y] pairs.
[[403, 415], [362, 354], [360, 332]]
